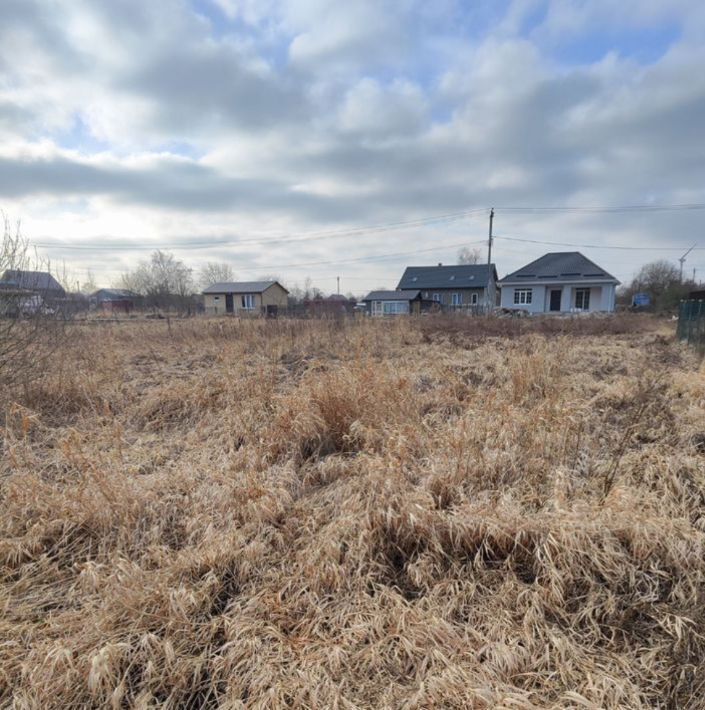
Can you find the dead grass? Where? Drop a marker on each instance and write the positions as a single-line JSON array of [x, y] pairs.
[[278, 514]]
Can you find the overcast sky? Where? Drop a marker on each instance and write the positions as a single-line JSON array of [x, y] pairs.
[[209, 127]]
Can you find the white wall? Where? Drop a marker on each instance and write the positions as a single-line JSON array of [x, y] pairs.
[[602, 297], [538, 298]]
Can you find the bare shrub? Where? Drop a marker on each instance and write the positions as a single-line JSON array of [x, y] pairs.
[[31, 326]]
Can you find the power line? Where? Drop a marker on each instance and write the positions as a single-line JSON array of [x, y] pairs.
[[368, 258], [283, 239], [622, 208], [591, 246], [372, 229]]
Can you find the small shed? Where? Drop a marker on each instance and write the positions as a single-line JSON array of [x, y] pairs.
[[246, 298], [114, 300], [334, 305], [393, 303]]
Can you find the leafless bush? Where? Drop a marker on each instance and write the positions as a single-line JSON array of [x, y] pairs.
[[31, 325]]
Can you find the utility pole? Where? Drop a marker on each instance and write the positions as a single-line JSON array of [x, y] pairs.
[[682, 260], [489, 247], [694, 270], [489, 262], [338, 279]]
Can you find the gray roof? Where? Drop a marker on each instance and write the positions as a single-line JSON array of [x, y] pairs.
[[32, 280], [455, 276], [392, 295], [560, 266], [241, 287]]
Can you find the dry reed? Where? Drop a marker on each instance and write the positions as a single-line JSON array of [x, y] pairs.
[[276, 514]]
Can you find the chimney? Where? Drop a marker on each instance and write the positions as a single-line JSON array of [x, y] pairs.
[[439, 264]]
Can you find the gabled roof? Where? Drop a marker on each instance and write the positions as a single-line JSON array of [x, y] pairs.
[[560, 266], [241, 287], [408, 295], [32, 280], [456, 276]]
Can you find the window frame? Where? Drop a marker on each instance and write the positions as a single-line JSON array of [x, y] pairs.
[[523, 296], [456, 299], [474, 300], [247, 301], [584, 294], [395, 308]]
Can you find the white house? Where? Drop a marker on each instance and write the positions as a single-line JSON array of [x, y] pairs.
[[560, 282]]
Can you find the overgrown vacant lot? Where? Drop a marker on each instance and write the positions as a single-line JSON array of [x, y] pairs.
[[397, 515]]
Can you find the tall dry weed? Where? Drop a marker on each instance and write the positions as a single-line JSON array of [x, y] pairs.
[[251, 514]]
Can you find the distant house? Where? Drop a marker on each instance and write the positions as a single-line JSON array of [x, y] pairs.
[[453, 287], [559, 282], [245, 297], [114, 299], [334, 305], [393, 303], [38, 282]]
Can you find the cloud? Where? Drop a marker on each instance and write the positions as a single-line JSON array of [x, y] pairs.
[[235, 117]]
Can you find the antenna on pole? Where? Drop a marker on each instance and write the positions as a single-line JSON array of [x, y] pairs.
[[682, 260]]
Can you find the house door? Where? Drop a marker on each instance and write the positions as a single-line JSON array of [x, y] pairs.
[[555, 304], [228, 303]]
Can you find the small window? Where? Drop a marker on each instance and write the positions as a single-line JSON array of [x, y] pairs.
[[582, 299], [248, 301], [456, 299], [452, 278], [437, 297], [473, 299], [522, 296], [392, 308], [425, 294], [216, 298]]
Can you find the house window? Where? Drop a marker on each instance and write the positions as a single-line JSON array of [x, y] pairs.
[[393, 308], [522, 296], [456, 299], [376, 308], [473, 299], [582, 299], [216, 298], [248, 301], [425, 294], [437, 297]]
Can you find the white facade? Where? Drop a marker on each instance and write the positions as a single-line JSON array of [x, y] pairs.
[[559, 296]]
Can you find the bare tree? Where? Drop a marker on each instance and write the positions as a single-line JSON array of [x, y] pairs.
[[469, 256], [164, 281], [215, 272], [31, 325], [661, 281], [89, 286]]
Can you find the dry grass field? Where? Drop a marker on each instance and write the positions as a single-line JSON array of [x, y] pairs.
[[467, 514]]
